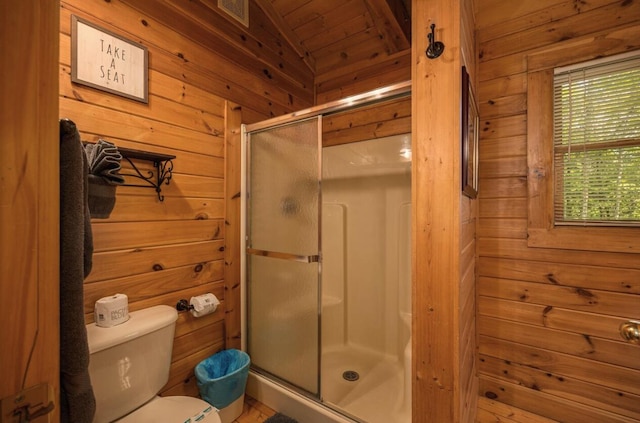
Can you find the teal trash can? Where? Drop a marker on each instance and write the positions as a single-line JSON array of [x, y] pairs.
[[222, 379]]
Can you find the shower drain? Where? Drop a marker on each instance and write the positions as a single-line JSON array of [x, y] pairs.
[[351, 375]]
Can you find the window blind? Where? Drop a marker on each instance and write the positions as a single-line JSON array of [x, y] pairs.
[[597, 143]]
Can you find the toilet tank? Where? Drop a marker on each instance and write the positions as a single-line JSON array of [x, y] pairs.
[[130, 362]]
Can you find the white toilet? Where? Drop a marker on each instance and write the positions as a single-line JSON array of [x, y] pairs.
[[130, 364]]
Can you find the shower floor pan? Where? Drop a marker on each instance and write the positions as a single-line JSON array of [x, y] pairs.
[[377, 396]]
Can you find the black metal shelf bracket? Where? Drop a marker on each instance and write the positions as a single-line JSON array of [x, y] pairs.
[[162, 163]]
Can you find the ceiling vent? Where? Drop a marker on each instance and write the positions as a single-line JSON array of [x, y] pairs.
[[237, 9]]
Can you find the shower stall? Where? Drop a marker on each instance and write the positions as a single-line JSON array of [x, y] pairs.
[[327, 268]]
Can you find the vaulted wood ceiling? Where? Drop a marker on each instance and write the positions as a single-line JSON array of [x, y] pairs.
[[329, 34]]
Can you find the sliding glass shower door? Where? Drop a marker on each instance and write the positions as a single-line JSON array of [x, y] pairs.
[[283, 249]]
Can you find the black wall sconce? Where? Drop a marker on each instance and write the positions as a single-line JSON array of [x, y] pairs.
[[435, 48]]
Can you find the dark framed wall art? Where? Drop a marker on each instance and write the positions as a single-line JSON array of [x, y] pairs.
[[470, 134]]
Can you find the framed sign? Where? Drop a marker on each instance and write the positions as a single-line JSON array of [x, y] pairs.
[[108, 62], [470, 134]]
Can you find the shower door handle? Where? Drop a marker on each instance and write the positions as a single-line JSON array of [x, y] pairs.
[[284, 256]]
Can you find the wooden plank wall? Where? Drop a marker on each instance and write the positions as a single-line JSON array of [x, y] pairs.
[[363, 76], [379, 120], [159, 252], [547, 319], [353, 46]]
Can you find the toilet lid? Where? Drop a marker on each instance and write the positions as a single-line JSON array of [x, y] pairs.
[[174, 410]]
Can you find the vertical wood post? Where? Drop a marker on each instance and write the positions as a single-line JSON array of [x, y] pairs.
[[436, 184], [29, 199], [232, 253]]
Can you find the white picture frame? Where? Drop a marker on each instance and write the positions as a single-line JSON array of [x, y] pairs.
[[106, 61]]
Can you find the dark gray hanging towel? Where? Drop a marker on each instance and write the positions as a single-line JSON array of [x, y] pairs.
[[76, 248]]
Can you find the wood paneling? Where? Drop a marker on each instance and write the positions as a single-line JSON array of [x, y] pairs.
[[335, 33], [571, 26], [491, 411], [360, 77], [177, 50], [29, 200], [548, 318], [160, 252], [366, 123], [586, 393]]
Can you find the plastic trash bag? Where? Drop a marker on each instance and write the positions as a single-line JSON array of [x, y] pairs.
[[222, 378]]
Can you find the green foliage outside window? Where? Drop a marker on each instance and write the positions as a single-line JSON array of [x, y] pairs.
[[597, 145]]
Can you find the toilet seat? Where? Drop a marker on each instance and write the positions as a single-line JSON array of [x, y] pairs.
[[176, 409]]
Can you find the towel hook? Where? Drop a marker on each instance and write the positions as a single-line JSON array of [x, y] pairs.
[[435, 48]]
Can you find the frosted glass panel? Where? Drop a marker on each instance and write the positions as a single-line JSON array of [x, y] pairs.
[[283, 319], [282, 217], [284, 189]]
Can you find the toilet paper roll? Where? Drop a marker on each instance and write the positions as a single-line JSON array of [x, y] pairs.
[[111, 311], [204, 304]]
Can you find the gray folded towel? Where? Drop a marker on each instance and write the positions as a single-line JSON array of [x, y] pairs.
[[104, 165], [104, 161]]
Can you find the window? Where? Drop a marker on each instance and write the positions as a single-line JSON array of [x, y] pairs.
[[548, 226], [596, 133]]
